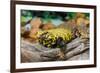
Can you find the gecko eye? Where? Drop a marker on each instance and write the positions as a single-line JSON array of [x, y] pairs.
[[60, 42]]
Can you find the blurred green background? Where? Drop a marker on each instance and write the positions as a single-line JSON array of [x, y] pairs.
[[48, 16]]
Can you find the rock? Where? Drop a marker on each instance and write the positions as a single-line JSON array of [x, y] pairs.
[[81, 19], [69, 24], [48, 25], [36, 22], [78, 15]]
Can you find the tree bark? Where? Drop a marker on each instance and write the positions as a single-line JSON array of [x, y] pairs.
[[37, 53]]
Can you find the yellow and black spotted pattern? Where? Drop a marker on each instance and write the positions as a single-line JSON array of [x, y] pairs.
[[55, 37]]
